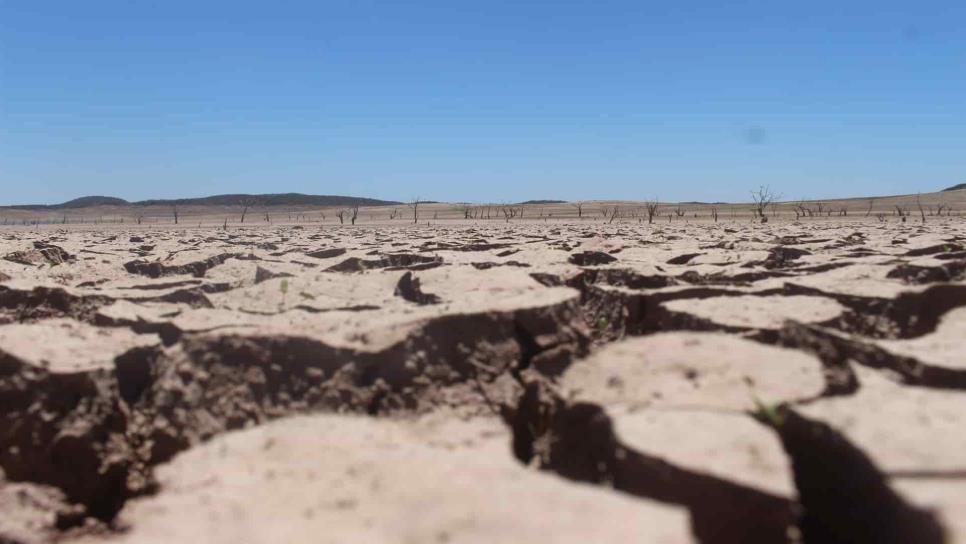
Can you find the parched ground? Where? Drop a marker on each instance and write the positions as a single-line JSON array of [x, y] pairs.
[[494, 382]]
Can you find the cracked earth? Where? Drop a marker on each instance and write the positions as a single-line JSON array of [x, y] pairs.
[[571, 382]]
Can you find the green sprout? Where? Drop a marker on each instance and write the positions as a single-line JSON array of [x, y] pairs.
[[769, 413]]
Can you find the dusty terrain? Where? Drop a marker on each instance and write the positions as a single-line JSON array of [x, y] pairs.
[[520, 381]]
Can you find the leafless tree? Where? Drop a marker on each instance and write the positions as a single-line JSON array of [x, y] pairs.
[[580, 209], [353, 213], [714, 213], [902, 212], [414, 204], [919, 205], [763, 198], [245, 203], [341, 215], [871, 203], [509, 212], [652, 207], [679, 212], [467, 210], [612, 213], [174, 211]]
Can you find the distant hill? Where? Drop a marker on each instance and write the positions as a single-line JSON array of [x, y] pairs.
[[82, 202], [955, 187], [285, 199], [544, 202]]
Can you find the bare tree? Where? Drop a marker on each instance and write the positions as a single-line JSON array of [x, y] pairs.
[[414, 204], [580, 209], [652, 207], [174, 211], [245, 203], [919, 205], [509, 212], [467, 210], [714, 213], [679, 212], [902, 212], [763, 198], [612, 213], [353, 213], [341, 215], [869, 210]]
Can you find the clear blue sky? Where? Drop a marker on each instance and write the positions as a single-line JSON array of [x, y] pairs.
[[480, 101]]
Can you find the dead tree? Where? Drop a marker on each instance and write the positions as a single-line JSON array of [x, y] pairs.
[[246, 203], [763, 198], [174, 211], [714, 213], [354, 213], [902, 212], [341, 215], [580, 209], [508, 212], [919, 205], [652, 207], [869, 210], [612, 213], [414, 204], [679, 212]]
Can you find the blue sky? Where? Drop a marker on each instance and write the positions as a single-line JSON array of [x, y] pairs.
[[480, 101]]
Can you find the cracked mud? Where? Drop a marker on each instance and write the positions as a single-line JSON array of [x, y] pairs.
[[572, 382]]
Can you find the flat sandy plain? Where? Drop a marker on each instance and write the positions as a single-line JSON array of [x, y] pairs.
[[485, 381]]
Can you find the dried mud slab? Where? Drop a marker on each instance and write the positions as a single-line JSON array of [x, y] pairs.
[[31, 513], [757, 312], [65, 345], [700, 371], [902, 429], [352, 479]]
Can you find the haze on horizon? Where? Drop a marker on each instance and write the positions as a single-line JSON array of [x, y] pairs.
[[496, 101]]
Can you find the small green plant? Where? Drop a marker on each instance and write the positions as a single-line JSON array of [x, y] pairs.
[[769, 413], [283, 287]]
